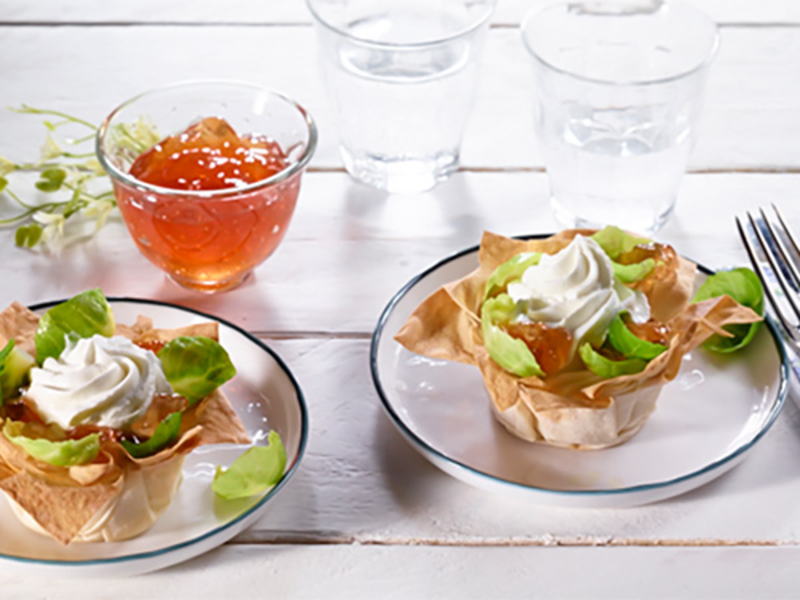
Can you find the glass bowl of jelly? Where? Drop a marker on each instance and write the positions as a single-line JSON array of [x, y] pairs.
[[206, 175]]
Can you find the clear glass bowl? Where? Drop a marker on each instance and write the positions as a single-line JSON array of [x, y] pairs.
[[207, 240]]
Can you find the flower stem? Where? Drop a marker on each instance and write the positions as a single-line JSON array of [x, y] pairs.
[[29, 110]]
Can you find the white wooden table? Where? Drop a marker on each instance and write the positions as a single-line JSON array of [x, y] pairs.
[[366, 516]]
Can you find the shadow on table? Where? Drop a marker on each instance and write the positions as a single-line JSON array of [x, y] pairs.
[[253, 299], [409, 477], [120, 272], [448, 213]]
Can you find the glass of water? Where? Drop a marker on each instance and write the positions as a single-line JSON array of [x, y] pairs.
[[401, 75], [619, 92]]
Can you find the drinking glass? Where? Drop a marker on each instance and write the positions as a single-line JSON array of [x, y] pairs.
[[401, 75], [619, 92]]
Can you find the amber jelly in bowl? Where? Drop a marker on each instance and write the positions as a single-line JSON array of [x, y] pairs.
[[206, 175]]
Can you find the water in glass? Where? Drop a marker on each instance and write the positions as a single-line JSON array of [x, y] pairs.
[[401, 77], [616, 165]]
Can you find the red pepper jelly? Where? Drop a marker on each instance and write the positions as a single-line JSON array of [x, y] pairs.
[[209, 241], [209, 155]]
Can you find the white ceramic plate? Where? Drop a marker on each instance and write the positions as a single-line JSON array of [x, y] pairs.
[[266, 396], [705, 422]]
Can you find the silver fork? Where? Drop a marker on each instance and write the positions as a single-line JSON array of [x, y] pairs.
[[778, 245]]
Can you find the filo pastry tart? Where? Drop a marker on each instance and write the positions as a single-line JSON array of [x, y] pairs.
[[123, 489], [538, 319]]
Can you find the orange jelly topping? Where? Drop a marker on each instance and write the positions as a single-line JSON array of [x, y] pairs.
[[659, 252], [209, 155], [154, 346], [550, 346], [651, 331], [667, 264], [20, 410], [209, 243]]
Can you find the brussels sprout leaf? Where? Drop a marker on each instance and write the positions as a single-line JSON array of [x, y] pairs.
[[616, 242], [744, 286], [66, 453], [195, 366], [510, 353], [623, 340], [633, 272], [607, 368], [509, 270], [3, 357], [164, 435], [81, 316], [15, 364], [255, 471]]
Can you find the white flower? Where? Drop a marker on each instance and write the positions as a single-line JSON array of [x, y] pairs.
[[46, 218], [50, 149], [6, 166], [98, 209], [53, 232], [94, 166]]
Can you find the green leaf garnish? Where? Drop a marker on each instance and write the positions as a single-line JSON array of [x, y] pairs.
[[50, 180], [15, 366], [616, 242], [67, 453], [195, 366], [255, 471], [62, 171], [629, 345], [744, 286], [3, 356], [81, 316], [511, 354], [164, 435], [508, 271], [607, 368], [633, 272], [27, 236]]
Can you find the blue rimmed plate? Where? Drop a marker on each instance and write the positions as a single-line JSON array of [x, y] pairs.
[[705, 422], [266, 396]]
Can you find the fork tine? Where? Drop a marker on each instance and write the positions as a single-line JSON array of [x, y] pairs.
[[776, 266], [788, 326], [789, 236], [788, 263]]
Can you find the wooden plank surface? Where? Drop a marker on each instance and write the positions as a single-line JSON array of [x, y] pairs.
[[359, 247], [753, 93], [366, 516], [360, 571], [507, 12], [361, 482]]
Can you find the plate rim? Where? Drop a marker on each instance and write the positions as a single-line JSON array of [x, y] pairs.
[[409, 434], [139, 556]]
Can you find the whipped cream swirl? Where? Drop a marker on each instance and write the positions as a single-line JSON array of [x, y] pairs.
[[102, 381], [576, 289]]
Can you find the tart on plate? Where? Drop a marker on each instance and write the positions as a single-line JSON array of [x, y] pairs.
[[576, 334], [97, 418]]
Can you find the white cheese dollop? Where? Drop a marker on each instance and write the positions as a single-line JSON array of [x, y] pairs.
[[102, 381], [576, 289]]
